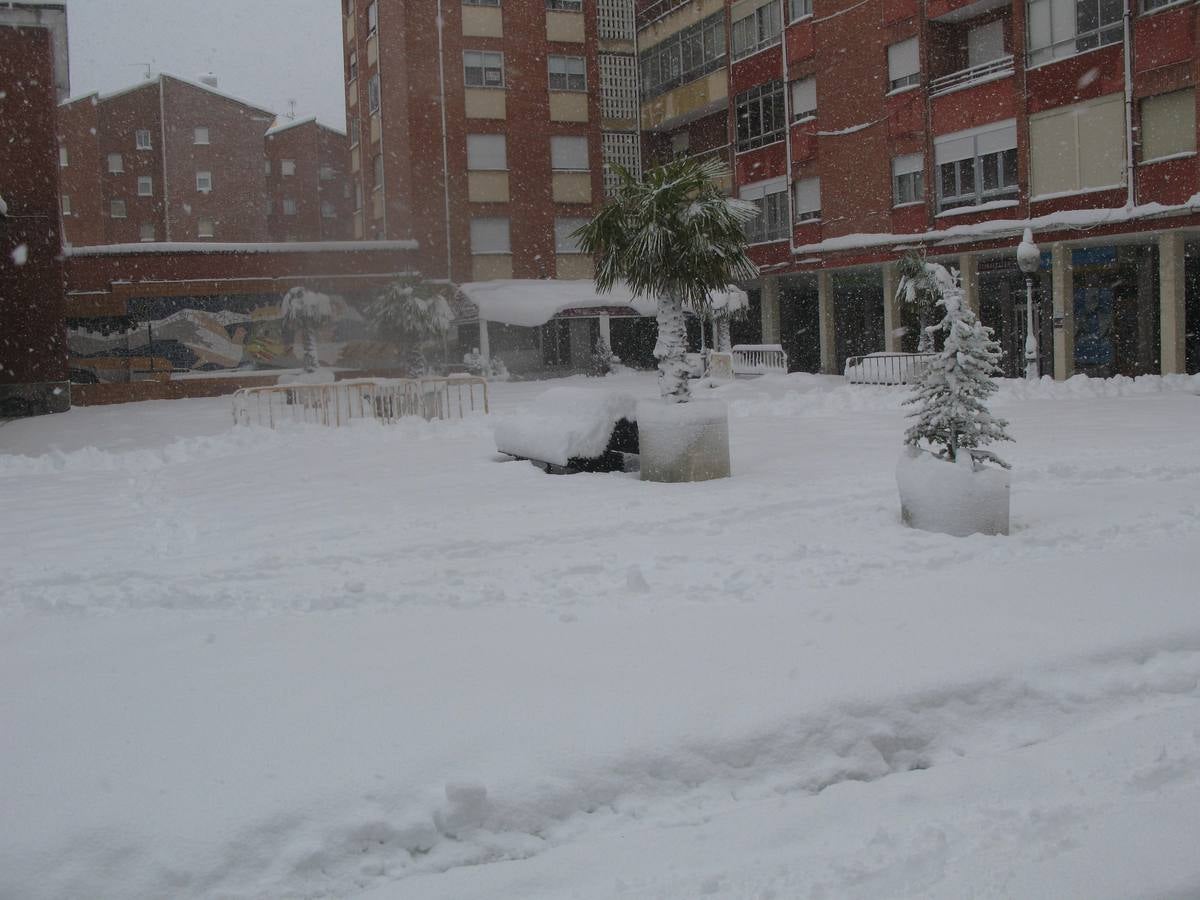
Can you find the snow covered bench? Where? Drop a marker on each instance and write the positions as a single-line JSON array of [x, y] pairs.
[[759, 359], [887, 368], [573, 430]]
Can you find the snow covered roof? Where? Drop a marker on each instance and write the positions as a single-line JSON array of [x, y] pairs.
[[157, 81], [211, 247], [532, 301], [287, 124]]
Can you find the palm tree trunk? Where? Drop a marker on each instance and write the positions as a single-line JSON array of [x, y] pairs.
[[722, 338], [669, 350]]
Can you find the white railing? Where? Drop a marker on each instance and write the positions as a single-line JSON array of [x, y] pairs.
[[759, 359], [342, 402], [992, 69], [887, 368]]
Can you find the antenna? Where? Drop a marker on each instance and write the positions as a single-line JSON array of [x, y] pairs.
[[149, 68], [291, 109]]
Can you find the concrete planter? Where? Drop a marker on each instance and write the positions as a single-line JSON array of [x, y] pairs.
[[683, 441], [958, 498]]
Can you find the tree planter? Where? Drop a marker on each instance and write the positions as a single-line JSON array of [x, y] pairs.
[[956, 498], [683, 441]]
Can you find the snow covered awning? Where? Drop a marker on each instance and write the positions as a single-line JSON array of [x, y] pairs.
[[533, 301]]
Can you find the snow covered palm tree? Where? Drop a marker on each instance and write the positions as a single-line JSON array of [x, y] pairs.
[[409, 313], [305, 311], [675, 237]]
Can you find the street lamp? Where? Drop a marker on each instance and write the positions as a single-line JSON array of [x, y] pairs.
[[1029, 258]]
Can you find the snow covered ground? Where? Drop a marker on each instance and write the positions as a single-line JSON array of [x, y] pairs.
[[377, 662]]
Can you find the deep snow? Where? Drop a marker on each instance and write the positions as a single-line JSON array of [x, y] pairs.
[[378, 662]]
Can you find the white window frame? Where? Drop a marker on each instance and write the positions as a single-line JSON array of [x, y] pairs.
[[1052, 30], [564, 5], [328, 210], [372, 18], [491, 235], [564, 153], [904, 65], [970, 152], [806, 199], [799, 9], [117, 209], [771, 224], [142, 233], [116, 164], [353, 67], [287, 168], [145, 186], [757, 30], [377, 172], [804, 98], [1146, 104], [564, 227], [204, 182], [481, 2], [484, 61], [143, 140], [355, 128], [487, 153], [65, 204], [570, 72], [908, 179], [201, 136], [200, 229], [374, 94], [290, 207], [64, 157], [769, 101]]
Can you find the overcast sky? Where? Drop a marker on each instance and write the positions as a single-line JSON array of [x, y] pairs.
[[264, 51]]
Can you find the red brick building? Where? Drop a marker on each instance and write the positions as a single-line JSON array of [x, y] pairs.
[[165, 160], [33, 78], [310, 194], [486, 139], [864, 127]]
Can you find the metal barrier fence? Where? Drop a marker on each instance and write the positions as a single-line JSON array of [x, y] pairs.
[[887, 368], [759, 359], [341, 402]]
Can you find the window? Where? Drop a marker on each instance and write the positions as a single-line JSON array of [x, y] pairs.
[[684, 56], [618, 86], [760, 116], [758, 30], [326, 173], [481, 2], [142, 139], [147, 233], [621, 148], [289, 206], [287, 167], [985, 43], [681, 142], [800, 9], [353, 67], [204, 182], [378, 171], [771, 223], [807, 199], [804, 99], [1151, 5], [1078, 148], [373, 93], [564, 229], [116, 163], [483, 69], [976, 166], [355, 131], [145, 186], [64, 158], [490, 236], [358, 196], [372, 18], [908, 179], [1058, 28], [200, 137], [66, 205], [569, 154], [487, 152], [204, 228], [116, 209], [1168, 125], [565, 5], [567, 73], [904, 65], [266, 167], [327, 210]]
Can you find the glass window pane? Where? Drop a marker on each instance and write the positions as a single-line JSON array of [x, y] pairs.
[[966, 176]]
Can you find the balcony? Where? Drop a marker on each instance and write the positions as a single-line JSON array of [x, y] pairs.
[[1001, 67]]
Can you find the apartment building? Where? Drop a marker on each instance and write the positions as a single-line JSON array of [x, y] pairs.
[[165, 160], [481, 129], [865, 127], [310, 196], [34, 76]]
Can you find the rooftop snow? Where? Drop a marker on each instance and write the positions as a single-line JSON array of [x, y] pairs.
[[208, 247]]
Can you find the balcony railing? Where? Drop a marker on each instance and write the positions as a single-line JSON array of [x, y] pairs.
[[956, 81]]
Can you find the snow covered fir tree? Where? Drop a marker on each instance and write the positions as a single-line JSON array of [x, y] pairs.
[[409, 314], [306, 311], [675, 237]]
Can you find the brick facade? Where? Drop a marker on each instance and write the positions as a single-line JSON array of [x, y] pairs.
[[315, 201]]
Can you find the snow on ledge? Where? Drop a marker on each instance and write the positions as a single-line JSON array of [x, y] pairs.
[[215, 247]]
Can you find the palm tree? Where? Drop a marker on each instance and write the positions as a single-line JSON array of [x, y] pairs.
[[305, 311], [673, 236], [409, 313]]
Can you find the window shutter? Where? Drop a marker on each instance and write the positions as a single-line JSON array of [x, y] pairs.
[[1169, 124], [487, 152], [563, 229], [569, 153], [804, 96], [996, 140], [759, 189], [906, 165], [808, 195], [490, 236], [903, 59]]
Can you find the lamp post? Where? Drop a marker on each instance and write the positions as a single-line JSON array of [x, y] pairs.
[[1029, 258]]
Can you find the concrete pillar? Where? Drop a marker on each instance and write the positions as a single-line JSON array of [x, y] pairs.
[[891, 309], [770, 309], [1171, 325], [485, 347], [606, 331], [968, 277], [827, 323], [1062, 284]]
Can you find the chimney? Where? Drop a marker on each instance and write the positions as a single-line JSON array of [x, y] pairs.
[[208, 78]]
